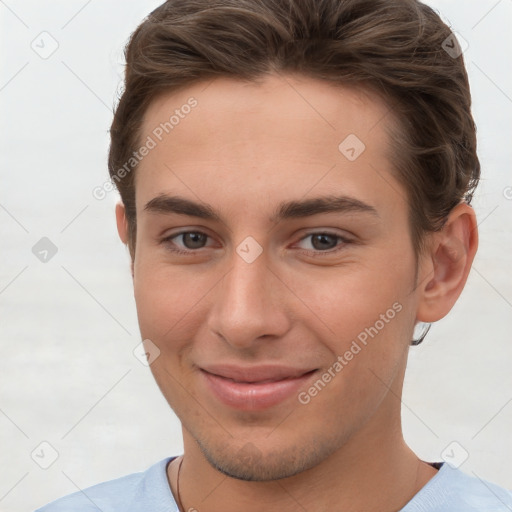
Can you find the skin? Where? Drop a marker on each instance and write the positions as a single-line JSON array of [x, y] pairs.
[[245, 148]]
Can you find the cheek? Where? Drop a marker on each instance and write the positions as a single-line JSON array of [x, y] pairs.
[[365, 313], [349, 301], [368, 348], [169, 311], [168, 299]]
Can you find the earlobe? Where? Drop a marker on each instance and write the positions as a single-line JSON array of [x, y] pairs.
[[448, 262], [122, 223]]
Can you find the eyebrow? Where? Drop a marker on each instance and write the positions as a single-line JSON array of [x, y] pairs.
[[166, 204]]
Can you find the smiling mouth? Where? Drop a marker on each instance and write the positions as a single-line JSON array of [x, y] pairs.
[[257, 391]]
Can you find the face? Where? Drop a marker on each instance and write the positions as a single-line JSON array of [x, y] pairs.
[[274, 270]]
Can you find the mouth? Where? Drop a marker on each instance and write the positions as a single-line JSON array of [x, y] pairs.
[[254, 388]]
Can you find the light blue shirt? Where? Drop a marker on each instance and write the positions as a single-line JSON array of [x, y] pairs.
[[450, 490]]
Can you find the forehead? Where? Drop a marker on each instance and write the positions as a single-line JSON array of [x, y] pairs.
[[262, 140], [273, 99]]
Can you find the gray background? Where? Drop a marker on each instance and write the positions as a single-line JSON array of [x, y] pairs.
[[68, 326]]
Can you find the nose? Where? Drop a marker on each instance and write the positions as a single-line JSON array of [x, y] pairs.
[[249, 304]]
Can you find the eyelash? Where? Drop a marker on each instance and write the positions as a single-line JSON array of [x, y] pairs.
[[338, 247]]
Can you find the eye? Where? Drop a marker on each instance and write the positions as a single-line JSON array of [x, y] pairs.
[[191, 241], [324, 242]]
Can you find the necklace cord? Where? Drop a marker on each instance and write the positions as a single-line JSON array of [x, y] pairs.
[[180, 505]]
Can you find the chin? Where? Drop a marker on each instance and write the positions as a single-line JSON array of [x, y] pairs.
[[250, 463]]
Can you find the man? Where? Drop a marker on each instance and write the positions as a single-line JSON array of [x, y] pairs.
[[295, 180]]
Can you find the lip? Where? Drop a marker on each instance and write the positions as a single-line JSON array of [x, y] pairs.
[[254, 388]]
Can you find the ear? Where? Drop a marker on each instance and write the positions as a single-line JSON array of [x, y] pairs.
[[122, 223], [122, 226], [446, 264]]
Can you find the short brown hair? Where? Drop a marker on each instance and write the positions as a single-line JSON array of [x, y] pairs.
[[399, 48]]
